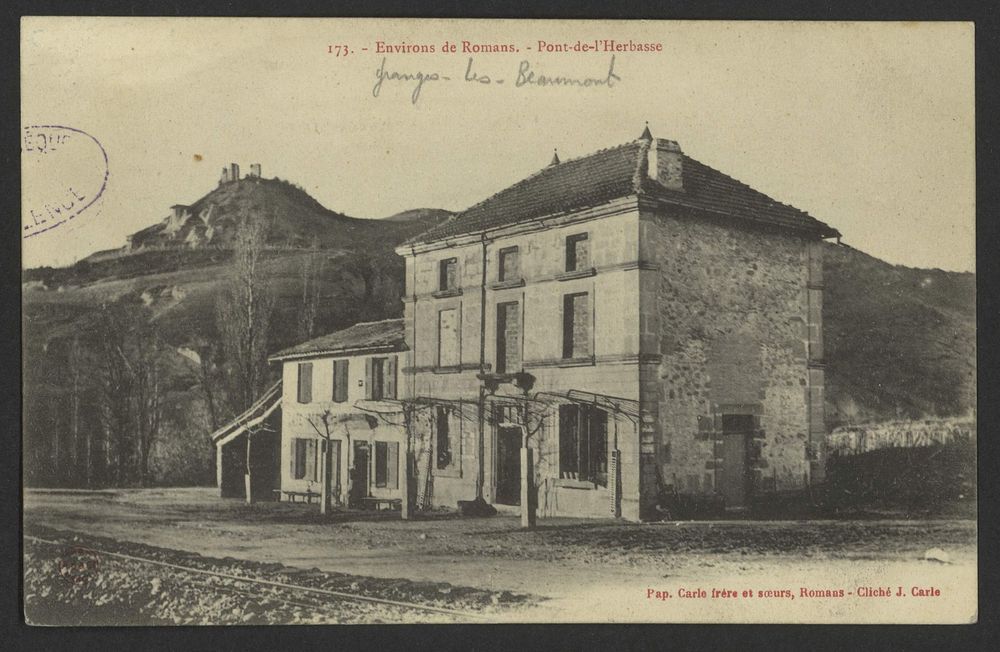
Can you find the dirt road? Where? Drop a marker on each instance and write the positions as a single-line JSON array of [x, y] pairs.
[[586, 570]]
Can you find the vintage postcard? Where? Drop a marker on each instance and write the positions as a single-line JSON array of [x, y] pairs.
[[419, 321]]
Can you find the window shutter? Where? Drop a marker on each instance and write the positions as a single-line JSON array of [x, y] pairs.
[[291, 458], [305, 382], [310, 459], [340, 379], [393, 466], [390, 377], [368, 378]]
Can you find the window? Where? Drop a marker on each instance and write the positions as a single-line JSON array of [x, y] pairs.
[[448, 274], [305, 382], [508, 337], [387, 465], [510, 265], [576, 325], [577, 252], [448, 338], [583, 444], [304, 459], [380, 378], [340, 380], [443, 437]]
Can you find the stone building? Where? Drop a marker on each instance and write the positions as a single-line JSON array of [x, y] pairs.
[[645, 324]]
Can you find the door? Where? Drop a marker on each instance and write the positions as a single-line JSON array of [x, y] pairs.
[[508, 465], [734, 471], [359, 473], [735, 478]]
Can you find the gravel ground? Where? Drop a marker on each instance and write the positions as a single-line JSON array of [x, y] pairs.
[[69, 584], [589, 570]]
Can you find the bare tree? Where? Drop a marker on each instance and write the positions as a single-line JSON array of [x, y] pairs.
[[244, 319], [130, 392], [75, 367], [115, 383], [311, 272], [147, 396]]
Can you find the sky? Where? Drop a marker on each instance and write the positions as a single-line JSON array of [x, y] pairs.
[[868, 127]]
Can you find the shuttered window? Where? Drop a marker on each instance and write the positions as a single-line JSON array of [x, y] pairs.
[[380, 378], [305, 382], [576, 325], [577, 252], [303, 459], [583, 444], [386, 465], [448, 274], [340, 380], [510, 265], [508, 337]]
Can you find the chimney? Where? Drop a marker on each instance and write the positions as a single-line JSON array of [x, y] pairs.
[[225, 176], [234, 172], [255, 170], [666, 163]]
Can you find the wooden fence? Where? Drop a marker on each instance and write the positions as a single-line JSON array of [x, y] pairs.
[[853, 440]]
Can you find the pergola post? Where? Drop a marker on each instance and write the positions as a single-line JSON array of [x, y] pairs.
[[527, 497]]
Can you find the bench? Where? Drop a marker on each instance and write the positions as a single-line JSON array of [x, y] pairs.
[[371, 502], [293, 496]]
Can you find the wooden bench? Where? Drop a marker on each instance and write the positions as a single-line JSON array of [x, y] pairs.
[[371, 502], [293, 496]]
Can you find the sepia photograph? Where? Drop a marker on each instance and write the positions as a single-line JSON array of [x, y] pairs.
[[357, 321]]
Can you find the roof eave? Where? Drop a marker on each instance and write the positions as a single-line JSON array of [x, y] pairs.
[[337, 353]]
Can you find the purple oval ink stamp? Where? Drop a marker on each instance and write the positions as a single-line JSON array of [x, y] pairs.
[[64, 171]]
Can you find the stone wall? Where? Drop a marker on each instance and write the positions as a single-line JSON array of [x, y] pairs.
[[727, 309]]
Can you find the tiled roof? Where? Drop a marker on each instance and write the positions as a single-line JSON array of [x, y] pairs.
[[386, 334], [614, 173]]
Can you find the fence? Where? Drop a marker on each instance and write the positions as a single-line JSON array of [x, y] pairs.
[[853, 440]]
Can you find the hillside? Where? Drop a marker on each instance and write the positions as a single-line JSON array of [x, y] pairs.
[[900, 342]]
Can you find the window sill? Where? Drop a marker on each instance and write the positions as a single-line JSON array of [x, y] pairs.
[[578, 273], [503, 285], [444, 294], [447, 370], [577, 362], [448, 473]]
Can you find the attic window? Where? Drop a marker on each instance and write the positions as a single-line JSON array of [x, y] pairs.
[[577, 252], [448, 274]]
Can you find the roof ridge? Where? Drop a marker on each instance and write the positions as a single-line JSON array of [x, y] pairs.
[[547, 169]]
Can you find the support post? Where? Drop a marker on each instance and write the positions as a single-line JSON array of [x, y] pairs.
[[527, 497], [405, 508], [218, 468], [324, 484]]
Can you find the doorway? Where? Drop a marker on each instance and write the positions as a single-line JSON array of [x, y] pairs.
[[734, 481], [508, 465], [359, 473]]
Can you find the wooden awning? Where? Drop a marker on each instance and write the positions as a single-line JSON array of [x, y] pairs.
[[260, 410]]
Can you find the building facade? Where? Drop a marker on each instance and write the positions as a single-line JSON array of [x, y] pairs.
[[341, 422], [646, 325]]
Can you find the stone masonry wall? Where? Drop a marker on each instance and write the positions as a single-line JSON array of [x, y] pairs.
[[727, 310]]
